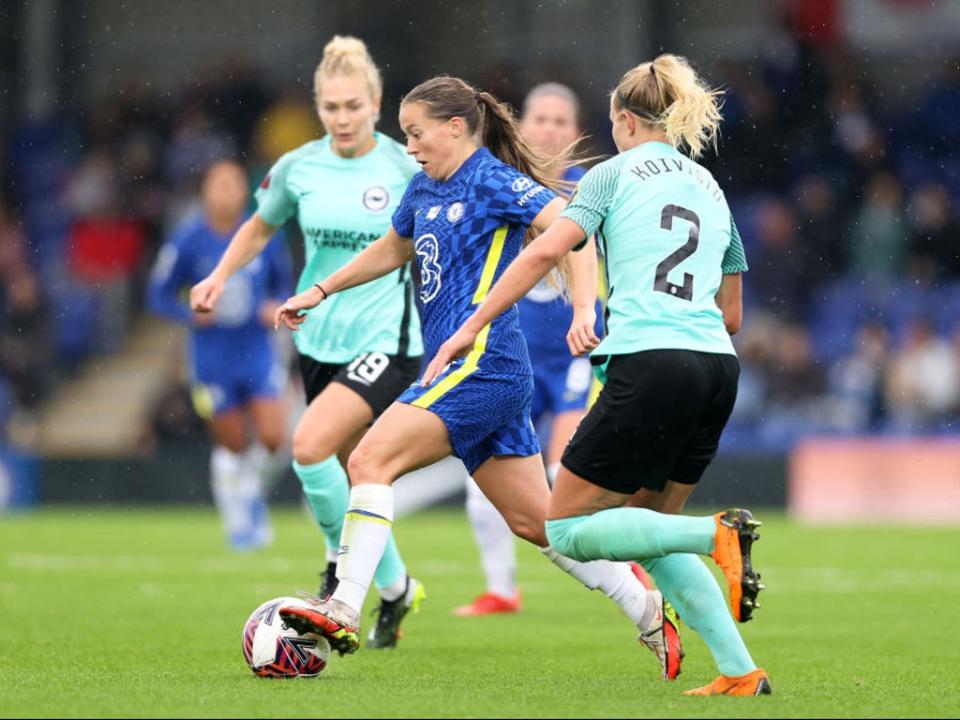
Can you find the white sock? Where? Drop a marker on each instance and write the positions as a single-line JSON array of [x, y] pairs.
[[228, 482], [254, 493], [394, 591], [366, 529], [494, 540], [271, 466], [613, 578]]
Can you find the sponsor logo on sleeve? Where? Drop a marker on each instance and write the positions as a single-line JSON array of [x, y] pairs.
[[522, 184]]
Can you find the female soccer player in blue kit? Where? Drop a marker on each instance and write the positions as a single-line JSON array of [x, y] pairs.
[[361, 349], [561, 381], [233, 360], [674, 261], [464, 218]]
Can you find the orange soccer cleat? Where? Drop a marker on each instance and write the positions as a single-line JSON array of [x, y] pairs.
[[490, 604], [732, 542], [753, 683]]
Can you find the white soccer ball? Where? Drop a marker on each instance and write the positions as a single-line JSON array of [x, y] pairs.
[[272, 649]]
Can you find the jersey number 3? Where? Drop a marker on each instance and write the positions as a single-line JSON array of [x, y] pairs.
[[660, 282]]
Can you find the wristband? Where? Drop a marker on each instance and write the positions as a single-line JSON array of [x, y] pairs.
[[319, 287]]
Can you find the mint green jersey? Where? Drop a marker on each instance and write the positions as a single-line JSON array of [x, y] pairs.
[[343, 205], [667, 237]]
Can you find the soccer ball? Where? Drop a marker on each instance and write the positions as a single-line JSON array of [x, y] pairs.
[[271, 649]]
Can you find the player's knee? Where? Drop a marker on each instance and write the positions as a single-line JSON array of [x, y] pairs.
[[308, 448], [272, 441], [529, 529], [361, 465]]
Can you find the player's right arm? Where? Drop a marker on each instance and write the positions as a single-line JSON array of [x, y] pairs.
[[380, 258], [248, 242]]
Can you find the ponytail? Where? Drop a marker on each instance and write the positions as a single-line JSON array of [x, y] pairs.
[[667, 93]]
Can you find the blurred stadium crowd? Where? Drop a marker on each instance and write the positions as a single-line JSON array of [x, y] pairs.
[[849, 210]]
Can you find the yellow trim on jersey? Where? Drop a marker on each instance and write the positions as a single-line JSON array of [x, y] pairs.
[[457, 376], [480, 344], [490, 266]]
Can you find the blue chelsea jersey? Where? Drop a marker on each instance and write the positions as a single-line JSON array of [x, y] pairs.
[[466, 231], [236, 334]]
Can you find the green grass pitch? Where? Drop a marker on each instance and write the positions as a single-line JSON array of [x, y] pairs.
[[138, 614]]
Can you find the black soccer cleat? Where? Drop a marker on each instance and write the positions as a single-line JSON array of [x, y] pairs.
[[328, 581], [391, 613]]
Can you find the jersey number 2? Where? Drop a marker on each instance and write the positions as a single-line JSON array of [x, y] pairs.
[[660, 282]]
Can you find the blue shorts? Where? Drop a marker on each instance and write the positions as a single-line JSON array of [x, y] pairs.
[[560, 383], [220, 388], [486, 414]]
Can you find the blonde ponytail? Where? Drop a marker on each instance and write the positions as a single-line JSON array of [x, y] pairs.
[[347, 55], [667, 93]]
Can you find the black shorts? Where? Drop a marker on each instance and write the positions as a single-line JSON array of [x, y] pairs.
[[658, 418], [376, 377]]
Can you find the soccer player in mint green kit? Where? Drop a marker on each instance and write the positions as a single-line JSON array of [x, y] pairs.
[[364, 347], [674, 261]]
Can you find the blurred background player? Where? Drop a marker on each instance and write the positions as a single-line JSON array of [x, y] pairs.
[[561, 382], [362, 348], [237, 373]]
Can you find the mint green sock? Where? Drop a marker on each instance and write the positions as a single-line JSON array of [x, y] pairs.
[[630, 534], [327, 490], [691, 588]]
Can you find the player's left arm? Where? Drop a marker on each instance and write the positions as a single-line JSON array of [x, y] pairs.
[[729, 297], [730, 301]]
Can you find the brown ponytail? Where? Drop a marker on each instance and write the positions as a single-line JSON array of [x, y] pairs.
[[494, 125]]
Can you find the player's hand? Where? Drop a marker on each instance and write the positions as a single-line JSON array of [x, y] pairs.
[[581, 338], [457, 345], [204, 295], [267, 311], [290, 312], [204, 319]]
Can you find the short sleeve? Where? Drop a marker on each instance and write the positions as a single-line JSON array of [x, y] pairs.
[[512, 197], [275, 202], [404, 216], [592, 199], [734, 259]]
